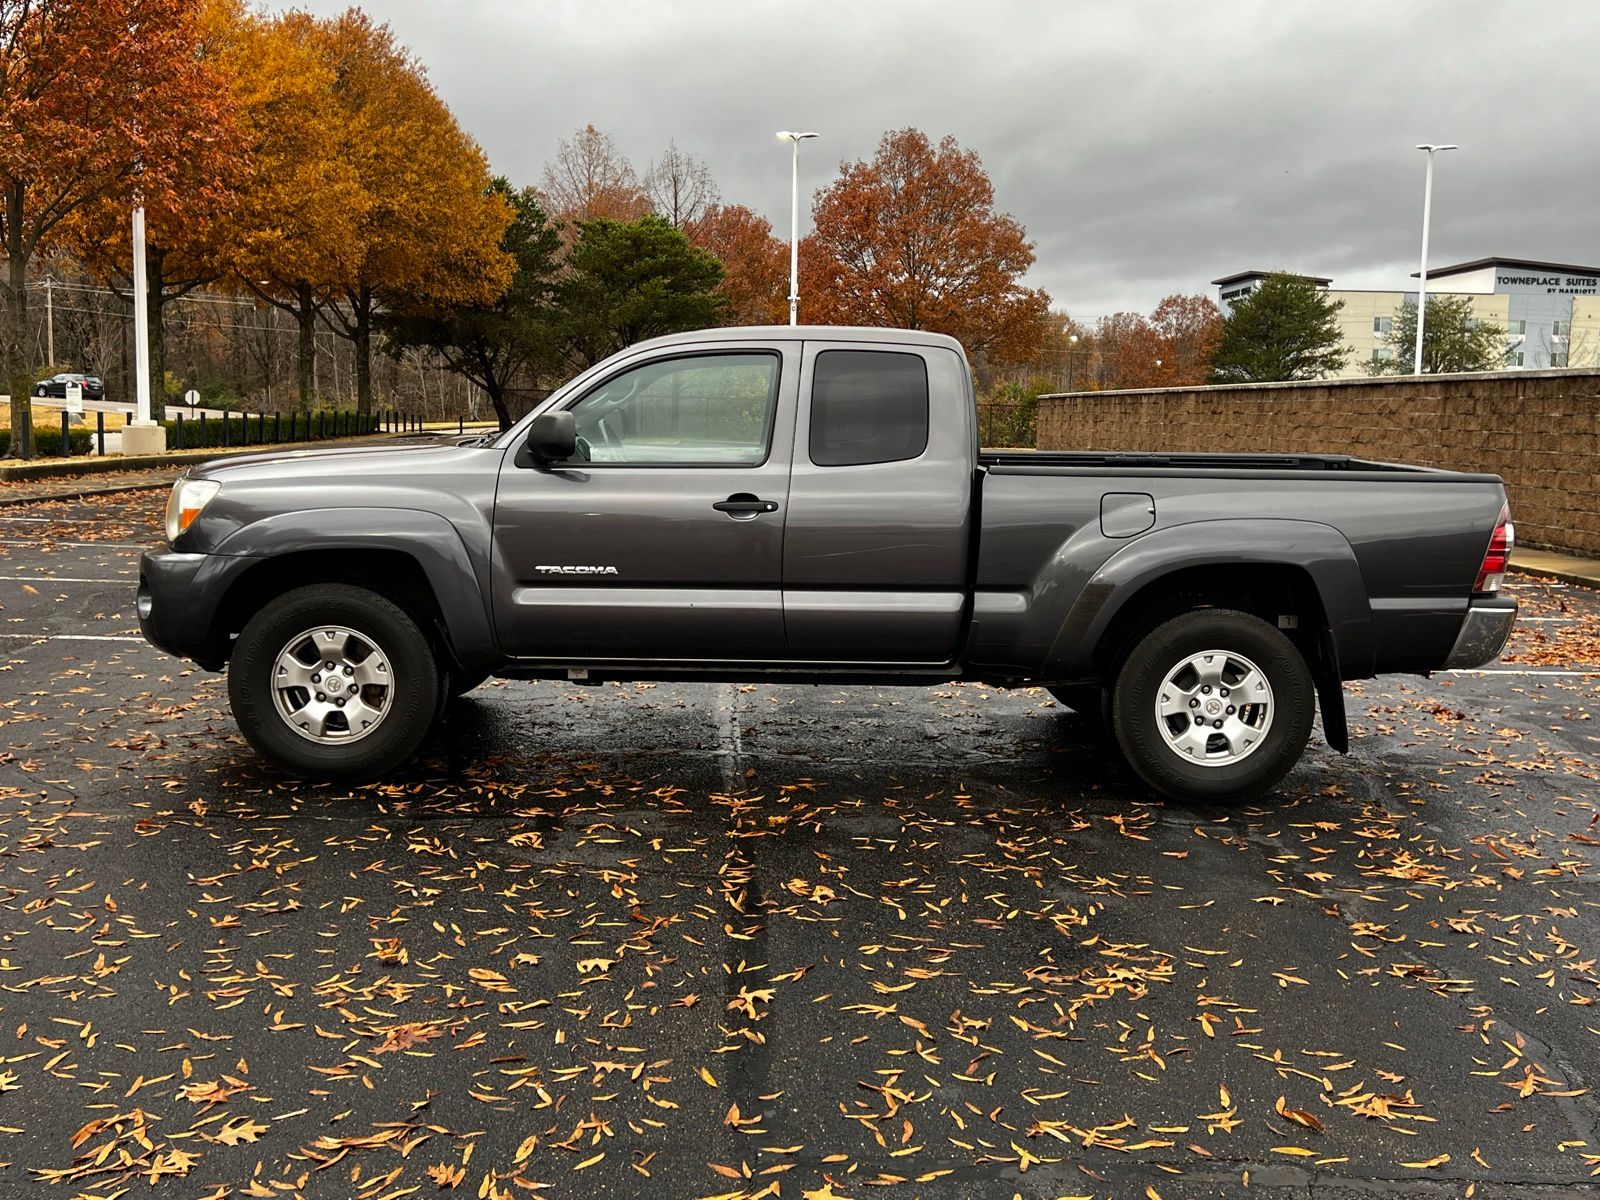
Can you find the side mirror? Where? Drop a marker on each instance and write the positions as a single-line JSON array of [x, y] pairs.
[[551, 438]]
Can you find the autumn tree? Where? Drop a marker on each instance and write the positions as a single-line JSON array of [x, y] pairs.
[[301, 205], [679, 186], [187, 225], [631, 280], [755, 264], [1288, 328], [1453, 339], [1186, 331], [912, 239], [98, 98], [430, 222], [493, 344], [589, 178]]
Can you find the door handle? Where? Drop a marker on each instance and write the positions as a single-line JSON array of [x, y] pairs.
[[742, 506]]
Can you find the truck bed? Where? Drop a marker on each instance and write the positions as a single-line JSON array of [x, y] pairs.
[[1055, 461]]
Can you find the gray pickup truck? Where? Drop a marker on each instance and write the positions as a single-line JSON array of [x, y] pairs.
[[811, 505]]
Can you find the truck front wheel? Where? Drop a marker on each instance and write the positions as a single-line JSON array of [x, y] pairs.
[[334, 682], [1213, 705]]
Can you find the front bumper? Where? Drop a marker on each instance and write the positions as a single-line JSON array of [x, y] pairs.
[[179, 595], [1484, 633]]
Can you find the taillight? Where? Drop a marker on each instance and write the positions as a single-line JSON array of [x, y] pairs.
[[1503, 541]]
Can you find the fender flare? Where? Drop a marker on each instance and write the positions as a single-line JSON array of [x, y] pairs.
[[1320, 550], [427, 538]]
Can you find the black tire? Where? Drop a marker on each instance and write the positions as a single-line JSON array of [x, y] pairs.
[[411, 701], [1160, 652]]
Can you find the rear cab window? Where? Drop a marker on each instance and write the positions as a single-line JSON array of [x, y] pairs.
[[868, 406]]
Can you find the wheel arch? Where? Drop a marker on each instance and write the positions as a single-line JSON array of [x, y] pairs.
[[416, 559]]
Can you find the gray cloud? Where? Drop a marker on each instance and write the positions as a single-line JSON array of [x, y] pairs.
[[1147, 147]]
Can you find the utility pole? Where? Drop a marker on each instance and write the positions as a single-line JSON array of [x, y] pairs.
[[49, 324], [794, 222], [1422, 272]]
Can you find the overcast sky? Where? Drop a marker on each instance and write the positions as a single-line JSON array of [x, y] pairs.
[[1147, 147]]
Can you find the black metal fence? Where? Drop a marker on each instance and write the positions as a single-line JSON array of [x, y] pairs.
[[1007, 426]]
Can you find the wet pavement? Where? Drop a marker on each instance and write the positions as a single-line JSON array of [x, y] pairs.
[[706, 940]]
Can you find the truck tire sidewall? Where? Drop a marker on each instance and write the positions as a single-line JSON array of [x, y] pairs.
[[390, 627], [1147, 666]]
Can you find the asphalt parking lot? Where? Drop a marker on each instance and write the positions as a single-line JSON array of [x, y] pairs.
[[709, 940]]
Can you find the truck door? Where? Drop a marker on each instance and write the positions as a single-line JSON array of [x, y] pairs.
[[880, 497], [663, 538]]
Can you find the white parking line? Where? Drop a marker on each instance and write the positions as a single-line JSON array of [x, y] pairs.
[[92, 545], [1517, 671], [63, 579], [40, 520], [70, 637]]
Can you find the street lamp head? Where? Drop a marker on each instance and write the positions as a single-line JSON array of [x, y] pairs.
[[1430, 148], [790, 135]]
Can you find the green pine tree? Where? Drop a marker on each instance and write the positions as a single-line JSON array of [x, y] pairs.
[[1287, 328]]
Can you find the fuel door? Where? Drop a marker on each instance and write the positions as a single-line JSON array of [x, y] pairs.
[[1125, 514]]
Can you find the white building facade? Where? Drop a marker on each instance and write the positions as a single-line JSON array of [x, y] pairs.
[[1550, 311]]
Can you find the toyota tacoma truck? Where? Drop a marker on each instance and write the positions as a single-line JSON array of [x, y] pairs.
[[811, 505]]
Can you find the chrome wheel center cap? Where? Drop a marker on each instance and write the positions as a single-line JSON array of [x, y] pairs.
[[1213, 707]]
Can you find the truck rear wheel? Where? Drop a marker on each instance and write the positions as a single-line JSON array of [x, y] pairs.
[[1213, 705], [334, 682]]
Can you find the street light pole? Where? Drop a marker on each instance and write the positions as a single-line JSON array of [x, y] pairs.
[[1072, 346], [1422, 271], [141, 322], [794, 138]]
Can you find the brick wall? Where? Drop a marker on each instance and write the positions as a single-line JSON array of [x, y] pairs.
[[1540, 430]]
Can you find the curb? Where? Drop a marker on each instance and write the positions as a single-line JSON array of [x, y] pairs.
[[1571, 578], [83, 494]]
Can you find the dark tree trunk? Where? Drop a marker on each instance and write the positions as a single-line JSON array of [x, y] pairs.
[[497, 397], [14, 354], [361, 338], [155, 311], [306, 315]]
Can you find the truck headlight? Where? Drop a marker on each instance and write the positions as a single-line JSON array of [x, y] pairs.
[[189, 497]]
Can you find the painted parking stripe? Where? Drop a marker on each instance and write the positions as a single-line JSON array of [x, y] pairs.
[[70, 637], [1516, 671], [121, 579], [87, 545]]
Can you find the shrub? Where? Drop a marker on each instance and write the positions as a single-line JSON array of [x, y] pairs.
[[47, 441]]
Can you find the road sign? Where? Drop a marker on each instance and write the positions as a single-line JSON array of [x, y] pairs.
[[191, 397], [75, 398]]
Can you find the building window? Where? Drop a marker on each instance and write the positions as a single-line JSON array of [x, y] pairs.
[[1558, 358], [1561, 328], [1382, 354], [1516, 328], [1514, 359], [1471, 323], [1382, 324]]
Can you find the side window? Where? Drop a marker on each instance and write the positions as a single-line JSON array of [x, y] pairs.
[[868, 406], [708, 410]]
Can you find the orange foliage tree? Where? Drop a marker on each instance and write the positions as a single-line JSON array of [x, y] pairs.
[[186, 225], [1172, 347], [431, 222], [755, 264], [590, 178], [98, 98], [912, 239]]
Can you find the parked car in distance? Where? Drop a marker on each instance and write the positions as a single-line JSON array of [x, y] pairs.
[[55, 387], [811, 505]]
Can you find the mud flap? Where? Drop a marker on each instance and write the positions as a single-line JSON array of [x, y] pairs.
[[1330, 696]]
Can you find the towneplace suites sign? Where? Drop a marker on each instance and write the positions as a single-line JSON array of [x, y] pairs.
[[1554, 285]]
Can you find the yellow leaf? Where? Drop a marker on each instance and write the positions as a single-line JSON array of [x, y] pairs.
[[708, 1077], [1437, 1161]]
